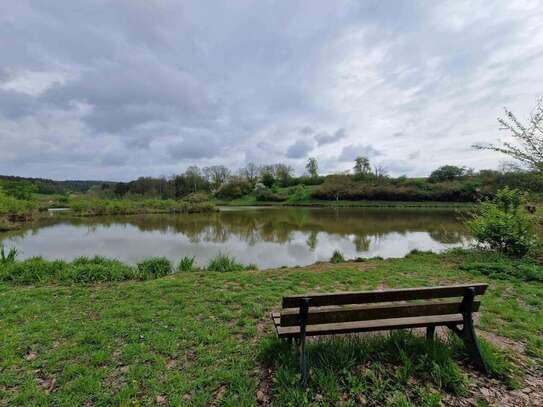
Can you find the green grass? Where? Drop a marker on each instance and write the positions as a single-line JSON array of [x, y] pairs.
[[223, 264], [376, 368], [85, 206], [250, 200], [198, 338], [84, 270]]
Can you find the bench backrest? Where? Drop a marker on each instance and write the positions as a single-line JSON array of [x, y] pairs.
[[325, 308]]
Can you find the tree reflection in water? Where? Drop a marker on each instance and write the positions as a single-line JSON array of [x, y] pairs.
[[304, 233]]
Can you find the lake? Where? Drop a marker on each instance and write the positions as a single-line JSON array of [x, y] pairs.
[[266, 236]]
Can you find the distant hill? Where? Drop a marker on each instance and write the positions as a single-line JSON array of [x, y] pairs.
[[49, 186]]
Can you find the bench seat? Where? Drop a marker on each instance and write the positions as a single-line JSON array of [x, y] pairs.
[[365, 326]]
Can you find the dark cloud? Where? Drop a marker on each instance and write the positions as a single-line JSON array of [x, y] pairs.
[[327, 138], [195, 147], [299, 149]]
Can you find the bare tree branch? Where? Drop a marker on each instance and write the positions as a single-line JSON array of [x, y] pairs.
[[527, 146]]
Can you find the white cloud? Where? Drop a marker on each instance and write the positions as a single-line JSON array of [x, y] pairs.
[[33, 83]]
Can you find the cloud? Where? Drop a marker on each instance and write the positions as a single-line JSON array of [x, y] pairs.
[[299, 149], [350, 152], [146, 88], [326, 138], [195, 147]]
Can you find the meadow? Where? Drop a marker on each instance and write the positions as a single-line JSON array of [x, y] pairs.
[[153, 341]]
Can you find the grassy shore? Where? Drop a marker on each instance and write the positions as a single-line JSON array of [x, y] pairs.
[[252, 201], [303, 198], [205, 338], [14, 212], [98, 207]]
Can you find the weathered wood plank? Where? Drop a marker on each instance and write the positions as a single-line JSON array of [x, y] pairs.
[[369, 326], [340, 314], [363, 297]]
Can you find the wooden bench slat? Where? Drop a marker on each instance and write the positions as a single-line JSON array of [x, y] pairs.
[[369, 326], [340, 314], [362, 297]]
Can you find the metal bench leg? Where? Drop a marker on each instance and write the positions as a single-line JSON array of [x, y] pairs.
[[471, 342], [430, 333], [304, 309], [467, 333]]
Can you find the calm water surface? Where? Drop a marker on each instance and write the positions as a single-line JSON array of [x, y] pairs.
[[268, 237]]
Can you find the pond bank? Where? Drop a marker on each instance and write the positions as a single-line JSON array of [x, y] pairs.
[[252, 201], [139, 342]]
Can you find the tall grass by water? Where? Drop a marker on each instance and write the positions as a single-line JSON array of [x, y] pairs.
[[96, 207], [84, 270]]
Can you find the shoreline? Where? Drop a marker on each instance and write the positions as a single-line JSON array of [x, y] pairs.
[[352, 204]]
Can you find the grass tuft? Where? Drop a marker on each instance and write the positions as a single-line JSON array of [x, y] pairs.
[[187, 264], [223, 263], [154, 267], [10, 257], [337, 257]]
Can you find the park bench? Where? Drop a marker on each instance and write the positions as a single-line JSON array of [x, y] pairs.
[[365, 311]]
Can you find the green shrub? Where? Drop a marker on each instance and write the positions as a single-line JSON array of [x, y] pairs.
[[96, 269], [298, 194], [500, 225], [186, 264], [235, 187], [197, 197], [154, 267], [337, 257], [33, 270], [266, 195], [10, 257], [223, 263]]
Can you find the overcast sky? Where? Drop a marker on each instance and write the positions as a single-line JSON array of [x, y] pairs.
[[119, 89]]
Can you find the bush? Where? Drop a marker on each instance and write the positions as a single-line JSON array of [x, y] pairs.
[[186, 264], [298, 194], [267, 179], [266, 195], [223, 263], [234, 188], [447, 173], [197, 197], [154, 267], [501, 226], [337, 257]]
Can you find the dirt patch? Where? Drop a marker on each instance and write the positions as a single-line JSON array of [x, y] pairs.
[[264, 394], [530, 393], [502, 342]]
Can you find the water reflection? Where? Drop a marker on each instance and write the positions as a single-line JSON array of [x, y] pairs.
[[268, 237]]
